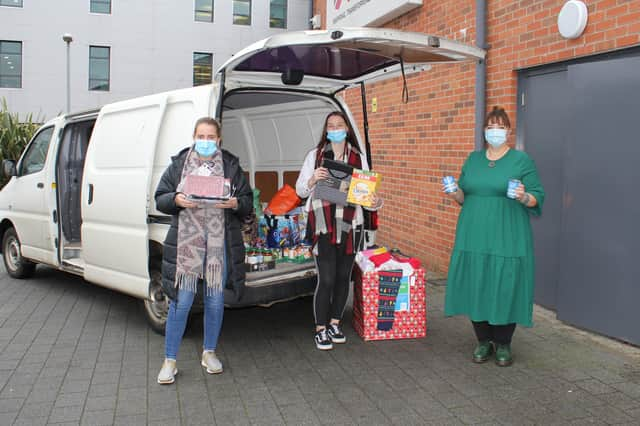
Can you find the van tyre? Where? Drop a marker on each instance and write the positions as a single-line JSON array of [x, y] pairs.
[[16, 265], [156, 307]]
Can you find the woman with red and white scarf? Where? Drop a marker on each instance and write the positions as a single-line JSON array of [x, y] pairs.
[[337, 231]]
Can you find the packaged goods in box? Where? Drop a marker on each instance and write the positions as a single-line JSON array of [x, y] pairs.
[[282, 231], [377, 315]]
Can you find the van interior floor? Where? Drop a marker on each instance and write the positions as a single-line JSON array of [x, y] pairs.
[[262, 277]]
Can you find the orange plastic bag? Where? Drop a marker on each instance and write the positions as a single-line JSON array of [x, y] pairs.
[[284, 200]]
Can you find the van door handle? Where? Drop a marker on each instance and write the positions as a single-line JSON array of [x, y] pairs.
[[40, 185], [90, 198]]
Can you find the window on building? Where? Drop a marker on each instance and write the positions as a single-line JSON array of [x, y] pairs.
[[100, 6], [36, 155], [242, 12], [10, 64], [204, 10], [99, 59], [202, 68], [11, 3], [278, 14]]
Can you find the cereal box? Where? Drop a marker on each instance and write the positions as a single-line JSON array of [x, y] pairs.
[[363, 184]]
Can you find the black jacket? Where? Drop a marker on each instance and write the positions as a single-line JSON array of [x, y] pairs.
[[165, 202]]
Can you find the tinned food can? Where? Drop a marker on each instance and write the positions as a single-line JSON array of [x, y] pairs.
[[450, 184], [511, 188]]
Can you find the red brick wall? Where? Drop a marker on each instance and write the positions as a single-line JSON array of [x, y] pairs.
[[415, 144]]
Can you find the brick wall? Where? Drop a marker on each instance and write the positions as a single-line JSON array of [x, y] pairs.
[[415, 144]]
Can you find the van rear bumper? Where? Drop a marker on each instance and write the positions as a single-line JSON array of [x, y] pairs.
[[267, 295]]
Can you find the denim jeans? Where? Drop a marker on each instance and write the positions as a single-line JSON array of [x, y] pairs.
[[179, 313]]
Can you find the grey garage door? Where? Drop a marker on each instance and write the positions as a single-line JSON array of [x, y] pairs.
[[580, 122]]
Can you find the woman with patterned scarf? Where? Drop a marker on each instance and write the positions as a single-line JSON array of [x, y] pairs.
[[203, 250], [337, 231]]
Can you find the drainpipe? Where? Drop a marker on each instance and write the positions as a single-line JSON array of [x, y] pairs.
[[311, 2], [481, 73]]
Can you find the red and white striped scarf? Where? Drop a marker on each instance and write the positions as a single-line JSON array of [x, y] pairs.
[[332, 219]]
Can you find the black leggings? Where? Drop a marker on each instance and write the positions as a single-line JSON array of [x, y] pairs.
[[500, 334], [334, 277]]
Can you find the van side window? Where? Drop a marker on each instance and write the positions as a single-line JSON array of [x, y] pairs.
[[36, 155]]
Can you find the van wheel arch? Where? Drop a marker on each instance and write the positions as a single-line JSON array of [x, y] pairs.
[[4, 225], [156, 305], [16, 265]]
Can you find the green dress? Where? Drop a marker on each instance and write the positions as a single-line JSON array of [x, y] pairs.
[[491, 273]]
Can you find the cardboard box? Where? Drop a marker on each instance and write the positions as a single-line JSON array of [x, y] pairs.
[[407, 324]]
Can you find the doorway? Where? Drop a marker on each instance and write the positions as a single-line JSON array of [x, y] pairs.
[[70, 168], [578, 121]]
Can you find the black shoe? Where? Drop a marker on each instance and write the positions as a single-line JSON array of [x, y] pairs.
[[336, 334], [323, 341]]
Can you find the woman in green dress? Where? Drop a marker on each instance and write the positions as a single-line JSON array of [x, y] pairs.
[[491, 273]]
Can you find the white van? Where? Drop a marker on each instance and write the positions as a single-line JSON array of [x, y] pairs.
[[80, 198]]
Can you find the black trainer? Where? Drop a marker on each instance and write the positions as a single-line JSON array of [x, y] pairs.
[[323, 342], [336, 334]]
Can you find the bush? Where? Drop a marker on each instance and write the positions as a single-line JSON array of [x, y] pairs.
[[14, 135]]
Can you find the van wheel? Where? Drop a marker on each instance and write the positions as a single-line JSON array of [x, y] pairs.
[[17, 266], [156, 307]]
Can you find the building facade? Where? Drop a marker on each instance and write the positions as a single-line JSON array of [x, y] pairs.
[[573, 99], [122, 49]]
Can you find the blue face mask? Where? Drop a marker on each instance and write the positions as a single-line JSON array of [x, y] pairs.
[[205, 147], [495, 137], [336, 136]]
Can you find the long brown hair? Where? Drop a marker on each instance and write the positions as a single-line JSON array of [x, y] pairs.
[[350, 139]]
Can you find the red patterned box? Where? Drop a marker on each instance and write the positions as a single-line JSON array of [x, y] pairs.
[[409, 324]]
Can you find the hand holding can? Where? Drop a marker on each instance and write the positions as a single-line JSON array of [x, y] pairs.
[[449, 184], [511, 188]]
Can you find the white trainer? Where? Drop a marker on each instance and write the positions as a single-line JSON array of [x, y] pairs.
[[211, 362], [167, 374]]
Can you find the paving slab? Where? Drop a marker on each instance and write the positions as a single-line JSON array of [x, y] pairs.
[[74, 353]]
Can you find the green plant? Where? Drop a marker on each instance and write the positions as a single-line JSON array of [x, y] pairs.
[[14, 134]]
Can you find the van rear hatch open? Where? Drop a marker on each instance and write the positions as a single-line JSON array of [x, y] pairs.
[[329, 60]]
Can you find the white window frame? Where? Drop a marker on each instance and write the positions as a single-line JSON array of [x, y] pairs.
[[250, 13], [21, 65], [102, 13], [213, 12], [109, 70]]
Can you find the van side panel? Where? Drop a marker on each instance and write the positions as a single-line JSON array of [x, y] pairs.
[[175, 134], [115, 195]]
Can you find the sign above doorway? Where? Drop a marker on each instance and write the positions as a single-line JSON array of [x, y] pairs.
[[366, 13]]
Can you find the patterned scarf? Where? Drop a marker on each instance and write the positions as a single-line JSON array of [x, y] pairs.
[[327, 218], [200, 233]]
